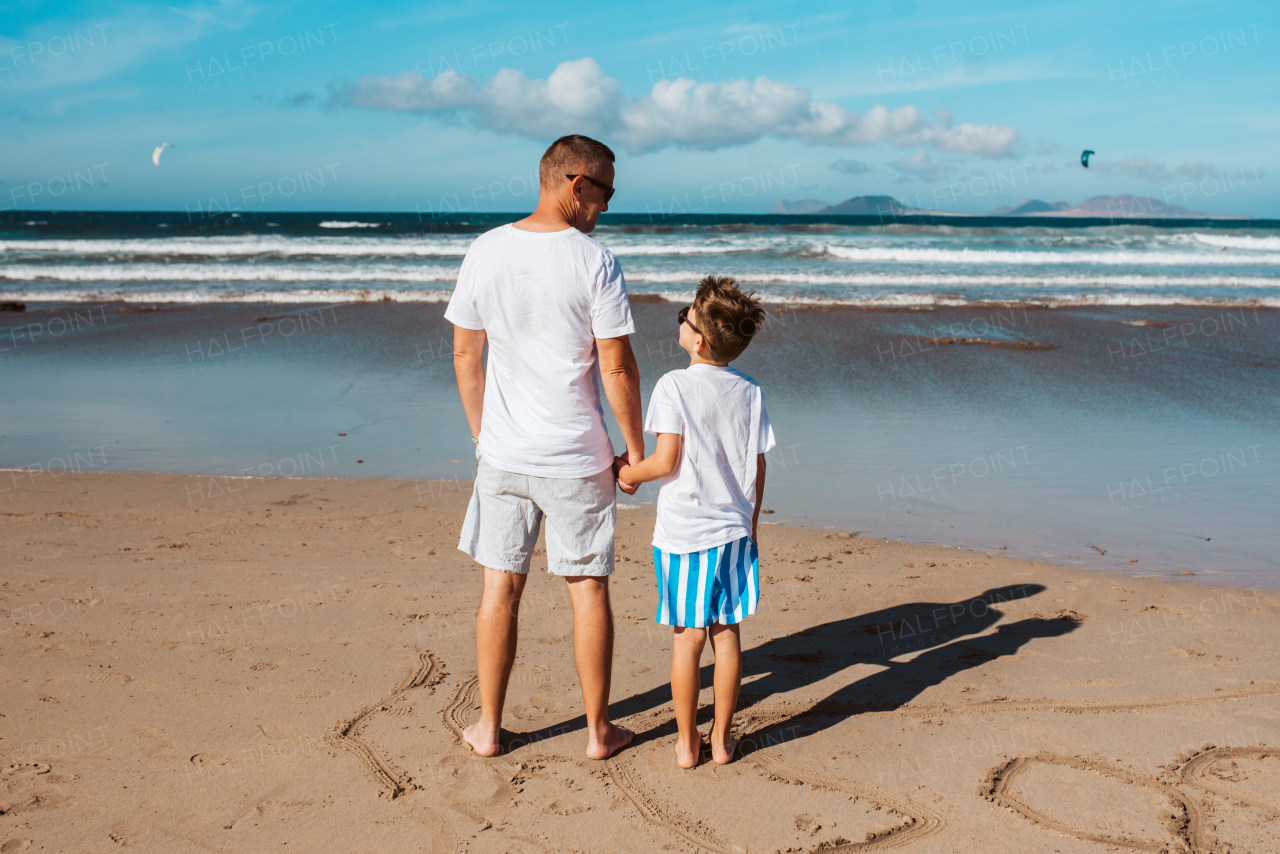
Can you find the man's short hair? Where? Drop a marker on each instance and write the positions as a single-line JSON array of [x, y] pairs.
[[728, 317], [573, 155]]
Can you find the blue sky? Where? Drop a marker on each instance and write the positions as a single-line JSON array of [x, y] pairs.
[[711, 108]]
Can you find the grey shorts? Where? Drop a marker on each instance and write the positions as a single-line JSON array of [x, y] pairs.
[[507, 509]]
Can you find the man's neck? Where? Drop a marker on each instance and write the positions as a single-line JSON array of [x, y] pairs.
[[550, 215]]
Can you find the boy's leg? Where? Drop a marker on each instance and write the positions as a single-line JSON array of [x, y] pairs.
[[727, 642], [593, 653], [496, 632], [686, 683]]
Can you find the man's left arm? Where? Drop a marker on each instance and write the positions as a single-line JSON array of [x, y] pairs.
[[620, 376]]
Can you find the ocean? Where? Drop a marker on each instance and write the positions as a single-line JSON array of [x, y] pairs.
[[911, 262], [1094, 394]]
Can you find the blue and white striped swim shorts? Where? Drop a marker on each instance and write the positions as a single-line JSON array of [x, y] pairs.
[[718, 585]]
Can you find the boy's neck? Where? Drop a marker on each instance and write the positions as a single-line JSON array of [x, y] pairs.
[[695, 359]]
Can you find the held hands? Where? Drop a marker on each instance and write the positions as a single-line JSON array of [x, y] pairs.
[[620, 463]]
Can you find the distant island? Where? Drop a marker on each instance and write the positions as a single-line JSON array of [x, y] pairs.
[[1104, 207]]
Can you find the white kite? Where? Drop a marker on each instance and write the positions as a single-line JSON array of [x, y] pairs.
[[155, 155]]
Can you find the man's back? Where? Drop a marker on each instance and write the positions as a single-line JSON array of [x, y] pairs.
[[542, 299]]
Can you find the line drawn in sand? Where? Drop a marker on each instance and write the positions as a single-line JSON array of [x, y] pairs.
[[457, 715], [392, 781], [1205, 771], [1186, 824]]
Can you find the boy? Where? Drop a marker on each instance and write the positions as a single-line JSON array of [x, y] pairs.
[[712, 432]]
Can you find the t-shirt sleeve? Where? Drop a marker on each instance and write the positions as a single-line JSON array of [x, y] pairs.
[[663, 415], [764, 435], [610, 310], [462, 305]]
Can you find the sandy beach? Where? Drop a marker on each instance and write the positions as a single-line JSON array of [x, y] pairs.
[[242, 665]]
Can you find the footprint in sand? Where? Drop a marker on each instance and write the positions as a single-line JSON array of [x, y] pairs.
[[162, 748], [268, 808], [41, 796], [129, 832], [24, 769], [279, 732], [15, 845], [110, 677]]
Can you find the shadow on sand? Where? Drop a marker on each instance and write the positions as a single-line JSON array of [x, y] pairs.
[[947, 638]]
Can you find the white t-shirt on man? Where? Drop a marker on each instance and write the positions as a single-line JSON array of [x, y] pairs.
[[543, 299], [710, 498]]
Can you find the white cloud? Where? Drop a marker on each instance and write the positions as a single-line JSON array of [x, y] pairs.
[[851, 167], [992, 141], [577, 97], [920, 167]]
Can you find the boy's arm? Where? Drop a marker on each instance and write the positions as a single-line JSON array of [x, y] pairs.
[[755, 517], [665, 460], [468, 364]]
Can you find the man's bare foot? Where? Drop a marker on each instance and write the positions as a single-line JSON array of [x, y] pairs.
[[483, 740], [722, 749], [689, 750], [614, 739]]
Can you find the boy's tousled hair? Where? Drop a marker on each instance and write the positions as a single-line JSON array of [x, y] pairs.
[[729, 318], [574, 154]]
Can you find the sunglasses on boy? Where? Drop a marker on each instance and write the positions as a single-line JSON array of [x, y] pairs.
[[684, 318], [608, 191]]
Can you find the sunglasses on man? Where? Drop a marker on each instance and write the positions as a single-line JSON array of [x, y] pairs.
[[608, 191]]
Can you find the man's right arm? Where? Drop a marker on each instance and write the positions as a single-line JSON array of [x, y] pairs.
[[620, 376], [468, 364]]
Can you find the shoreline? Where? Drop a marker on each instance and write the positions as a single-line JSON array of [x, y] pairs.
[[299, 663], [1203, 579]]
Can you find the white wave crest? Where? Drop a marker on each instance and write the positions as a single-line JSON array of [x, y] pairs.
[[200, 297], [958, 280], [308, 296], [228, 273], [1233, 241], [239, 247], [334, 223], [988, 256]]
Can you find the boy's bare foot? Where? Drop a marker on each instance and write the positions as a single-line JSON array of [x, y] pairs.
[[722, 749], [483, 741], [615, 738], [689, 753]]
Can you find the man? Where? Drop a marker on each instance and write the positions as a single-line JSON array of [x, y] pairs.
[[551, 304]]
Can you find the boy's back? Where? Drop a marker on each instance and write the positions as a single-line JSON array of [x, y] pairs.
[[709, 499]]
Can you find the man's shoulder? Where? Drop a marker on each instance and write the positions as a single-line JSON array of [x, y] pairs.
[[591, 248], [501, 232]]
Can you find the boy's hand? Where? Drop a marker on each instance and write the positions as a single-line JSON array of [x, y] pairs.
[[619, 463]]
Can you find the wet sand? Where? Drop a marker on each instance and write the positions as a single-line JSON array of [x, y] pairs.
[[244, 665], [1147, 451]]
